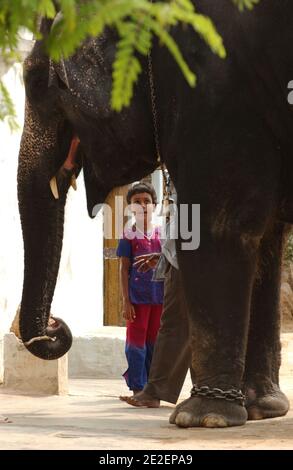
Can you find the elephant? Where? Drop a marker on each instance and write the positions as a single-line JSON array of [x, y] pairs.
[[227, 145]]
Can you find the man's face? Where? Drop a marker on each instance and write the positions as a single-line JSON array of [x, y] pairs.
[[142, 207]]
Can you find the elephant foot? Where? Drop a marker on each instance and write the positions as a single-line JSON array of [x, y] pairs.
[[266, 404], [208, 413]]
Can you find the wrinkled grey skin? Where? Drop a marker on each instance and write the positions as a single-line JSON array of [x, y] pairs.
[[228, 147]]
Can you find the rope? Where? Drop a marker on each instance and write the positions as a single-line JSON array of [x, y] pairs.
[[39, 338]]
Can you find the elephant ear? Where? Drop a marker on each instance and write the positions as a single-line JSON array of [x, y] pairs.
[[95, 195]]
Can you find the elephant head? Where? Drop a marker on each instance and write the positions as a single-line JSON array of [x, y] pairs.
[[63, 100]]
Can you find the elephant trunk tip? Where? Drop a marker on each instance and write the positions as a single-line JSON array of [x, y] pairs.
[[53, 344]]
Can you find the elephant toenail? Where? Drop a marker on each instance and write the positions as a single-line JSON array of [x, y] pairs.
[[214, 421]]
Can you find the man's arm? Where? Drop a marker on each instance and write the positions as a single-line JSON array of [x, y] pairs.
[[144, 263]]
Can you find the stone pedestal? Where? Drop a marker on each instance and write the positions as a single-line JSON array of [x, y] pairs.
[[1, 360], [24, 372]]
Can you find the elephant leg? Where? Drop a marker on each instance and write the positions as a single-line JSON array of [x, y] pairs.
[[264, 398], [218, 280]]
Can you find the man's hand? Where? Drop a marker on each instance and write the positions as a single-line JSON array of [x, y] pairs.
[[144, 263], [128, 311]]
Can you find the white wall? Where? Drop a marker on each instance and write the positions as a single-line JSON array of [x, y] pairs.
[[79, 293], [11, 256]]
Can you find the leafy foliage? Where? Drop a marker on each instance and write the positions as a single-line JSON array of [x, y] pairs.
[[249, 4], [7, 110], [136, 21]]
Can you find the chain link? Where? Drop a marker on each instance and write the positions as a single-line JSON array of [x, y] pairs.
[[217, 393], [154, 108]]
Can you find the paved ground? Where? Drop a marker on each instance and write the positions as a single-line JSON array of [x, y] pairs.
[[92, 417]]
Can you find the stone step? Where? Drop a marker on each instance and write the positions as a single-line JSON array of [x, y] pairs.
[[99, 355]]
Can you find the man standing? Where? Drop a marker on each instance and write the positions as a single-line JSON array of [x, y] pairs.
[[172, 352]]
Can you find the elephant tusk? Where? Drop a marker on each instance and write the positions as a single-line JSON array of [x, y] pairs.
[[39, 338], [54, 187], [73, 182]]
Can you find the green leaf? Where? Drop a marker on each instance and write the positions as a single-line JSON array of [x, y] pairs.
[[7, 110], [242, 4], [204, 26], [46, 8], [169, 42]]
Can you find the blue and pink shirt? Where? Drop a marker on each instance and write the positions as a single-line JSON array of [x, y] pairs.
[[142, 289]]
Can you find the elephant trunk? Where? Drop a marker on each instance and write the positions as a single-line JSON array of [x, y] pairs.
[[42, 233], [42, 219]]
